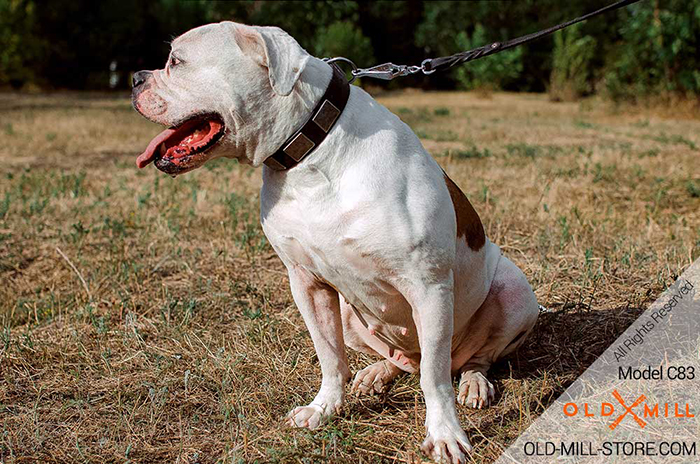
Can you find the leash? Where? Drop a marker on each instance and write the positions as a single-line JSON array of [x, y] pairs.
[[388, 71], [329, 108]]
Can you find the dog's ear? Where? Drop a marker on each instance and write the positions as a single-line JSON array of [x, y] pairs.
[[275, 50]]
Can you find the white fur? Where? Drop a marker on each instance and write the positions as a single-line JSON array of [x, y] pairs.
[[365, 221]]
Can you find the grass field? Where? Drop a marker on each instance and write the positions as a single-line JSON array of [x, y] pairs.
[[146, 319]]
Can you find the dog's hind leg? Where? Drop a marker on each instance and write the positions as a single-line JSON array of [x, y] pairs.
[[509, 314], [475, 389], [375, 378]]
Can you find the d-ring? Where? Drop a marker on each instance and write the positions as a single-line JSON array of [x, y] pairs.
[[340, 58]]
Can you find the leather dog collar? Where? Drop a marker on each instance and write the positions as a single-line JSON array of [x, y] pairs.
[[316, 128]]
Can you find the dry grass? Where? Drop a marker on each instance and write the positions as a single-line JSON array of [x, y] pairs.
[[146, 319]]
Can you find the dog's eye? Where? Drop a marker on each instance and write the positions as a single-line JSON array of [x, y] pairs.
[[174, 61]]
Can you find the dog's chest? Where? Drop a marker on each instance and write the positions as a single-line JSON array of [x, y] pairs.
[[340, 242]]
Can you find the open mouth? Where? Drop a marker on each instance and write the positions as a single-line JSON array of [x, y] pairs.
[[173, 149]]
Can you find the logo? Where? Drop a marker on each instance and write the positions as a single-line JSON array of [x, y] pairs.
[[648, 411], [628, 410]]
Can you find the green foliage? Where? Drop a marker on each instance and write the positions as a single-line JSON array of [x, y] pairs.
[[571, 68], [648, 48], [489, 73], [18, 47], [442, 21], [303, 20], [343, 38], [658, 53]]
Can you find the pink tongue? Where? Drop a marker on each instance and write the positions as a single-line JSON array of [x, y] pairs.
[[147, 156]]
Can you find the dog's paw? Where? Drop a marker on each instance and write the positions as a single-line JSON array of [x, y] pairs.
[[310, 417], [475, 390], [375, 378], [446, 444]]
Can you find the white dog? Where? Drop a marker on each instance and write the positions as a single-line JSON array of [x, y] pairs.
[[385, 254]]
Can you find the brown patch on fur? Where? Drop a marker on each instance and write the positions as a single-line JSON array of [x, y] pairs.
[[468, 223]]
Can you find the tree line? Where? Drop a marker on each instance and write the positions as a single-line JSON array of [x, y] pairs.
[[649, 48]]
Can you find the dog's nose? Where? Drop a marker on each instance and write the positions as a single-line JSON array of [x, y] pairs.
[[140, 77]]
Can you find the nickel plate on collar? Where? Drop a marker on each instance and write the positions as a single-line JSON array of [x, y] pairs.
[[326, 116], [299, 147]]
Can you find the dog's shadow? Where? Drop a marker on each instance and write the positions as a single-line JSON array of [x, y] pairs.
[[565, 342]]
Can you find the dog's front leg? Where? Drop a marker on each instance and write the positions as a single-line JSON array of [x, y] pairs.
[[433, 307], [319, 306]]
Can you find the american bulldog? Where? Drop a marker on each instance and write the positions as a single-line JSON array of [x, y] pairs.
[[384, 252]]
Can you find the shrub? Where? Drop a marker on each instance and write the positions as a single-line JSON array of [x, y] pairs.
[[343, 38], [489, 73], [18, 46], [571, 64], [658, 53]]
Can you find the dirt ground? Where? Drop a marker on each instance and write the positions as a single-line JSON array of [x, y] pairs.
[[146, 319]]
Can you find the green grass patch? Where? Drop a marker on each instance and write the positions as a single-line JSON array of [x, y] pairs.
[[676, 140], [472, 152]]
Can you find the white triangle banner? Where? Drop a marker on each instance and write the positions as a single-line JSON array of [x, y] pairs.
[[639, 402]]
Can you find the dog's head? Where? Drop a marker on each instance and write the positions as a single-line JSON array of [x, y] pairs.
[[219, 84]]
